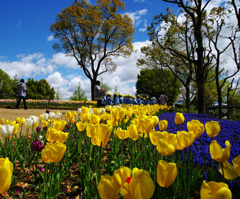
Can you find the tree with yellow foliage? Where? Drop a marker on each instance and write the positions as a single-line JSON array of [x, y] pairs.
[[93, 34]]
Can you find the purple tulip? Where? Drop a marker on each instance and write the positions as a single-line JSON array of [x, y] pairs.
[[38, 128], [37, 145]]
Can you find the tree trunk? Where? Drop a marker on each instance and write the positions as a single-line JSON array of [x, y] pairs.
[[187, 98], [201, 96], [92, 89]]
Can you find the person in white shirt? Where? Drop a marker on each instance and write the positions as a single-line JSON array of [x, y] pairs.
[[99, 93], [21, 94]]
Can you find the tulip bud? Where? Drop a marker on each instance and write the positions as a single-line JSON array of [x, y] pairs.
[[6, 170], [107, 189], [163, 124], [166, 173], [53, 152], [212, 128], [216, 190], [179, 118], [218, 153]]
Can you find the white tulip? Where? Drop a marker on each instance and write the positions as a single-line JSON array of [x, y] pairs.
[[58, 115], [91, 111], [52, 115], [40, 137], [34, 119], [28, 123], [45, 116], [80, 110], [6, 130]]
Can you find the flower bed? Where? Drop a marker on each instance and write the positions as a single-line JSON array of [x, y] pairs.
[[87, 153], [57, 104]]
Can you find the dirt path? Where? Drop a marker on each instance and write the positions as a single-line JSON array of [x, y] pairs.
[[12, 114]]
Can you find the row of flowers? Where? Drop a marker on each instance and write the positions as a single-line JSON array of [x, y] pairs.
[[142, 155], [46, 102]]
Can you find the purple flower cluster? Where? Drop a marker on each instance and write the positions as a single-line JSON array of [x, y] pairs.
[[37, 145], [230, 130]]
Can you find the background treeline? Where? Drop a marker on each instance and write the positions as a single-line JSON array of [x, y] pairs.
[[35, 89]]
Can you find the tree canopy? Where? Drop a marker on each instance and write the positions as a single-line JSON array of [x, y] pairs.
[[152, 82], [39, 89], [93, 34], [8, 86]]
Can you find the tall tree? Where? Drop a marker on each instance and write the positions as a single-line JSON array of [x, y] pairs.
[[39, 89], [196, 11], [154, 81], [217, 35], [174, 51], [58, 95], [8, 87], [93, 34], [79, 94]]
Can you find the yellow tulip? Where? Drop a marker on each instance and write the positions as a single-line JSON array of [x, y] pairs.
[[81, 126], [163, 124], [179, 118], [120, 133], [59, 124], [155, 120], [118, 114], [54, 135], [227, 170], [215, 190], [121, 175], [132, 132], [145, 124], [85, 117], [140, 185], [22, 121], [218, 153], [91, 130], [155, 136], [107, 189], [85, 110], [2, 121], [184, 139], [53, 152], [16, 127], [164, 148], [6, 170], [102, 135], [236, 164], [212, 128], [196, 126], [166, 173], [45, 123], [94, 119]]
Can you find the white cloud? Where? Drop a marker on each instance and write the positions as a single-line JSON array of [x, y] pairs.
[[50, 38], [125, 76], [27, 66], [61, 59], [56, 80], [136, 16]]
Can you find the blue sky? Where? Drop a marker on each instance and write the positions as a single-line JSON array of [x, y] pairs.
[[26, 45]]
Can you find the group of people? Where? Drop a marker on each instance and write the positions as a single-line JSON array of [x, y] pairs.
[[105, 98]]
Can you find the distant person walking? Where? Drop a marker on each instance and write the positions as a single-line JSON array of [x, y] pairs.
[[99, 93], [21, 94], [162, 99]]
